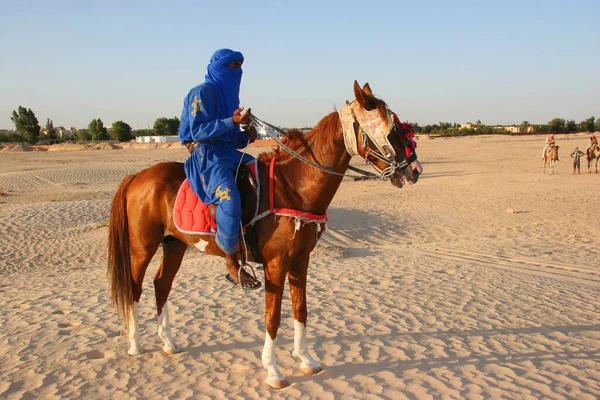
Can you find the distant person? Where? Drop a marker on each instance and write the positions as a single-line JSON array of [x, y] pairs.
[[576, 156], [550, 142], [593, 142], [210, 129]]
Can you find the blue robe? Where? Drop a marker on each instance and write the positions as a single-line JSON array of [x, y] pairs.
[[211, 168]]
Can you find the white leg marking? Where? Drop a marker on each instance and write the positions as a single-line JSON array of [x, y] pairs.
[[308, 365], [134, 334], [164, 331], [275, 378], [201, 245]]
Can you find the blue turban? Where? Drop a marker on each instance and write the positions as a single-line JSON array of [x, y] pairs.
[[226, 80]]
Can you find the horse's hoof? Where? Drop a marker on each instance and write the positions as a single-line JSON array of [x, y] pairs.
[[170, 350], [134, 351], [310, 370], [275, 383]]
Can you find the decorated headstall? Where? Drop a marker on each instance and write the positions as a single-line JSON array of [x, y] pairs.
[[407, 134], [377, 130]]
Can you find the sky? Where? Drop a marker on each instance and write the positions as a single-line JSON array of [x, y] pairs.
[[502, 62]]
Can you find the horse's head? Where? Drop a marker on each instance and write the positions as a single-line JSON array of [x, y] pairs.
[[380, 138]]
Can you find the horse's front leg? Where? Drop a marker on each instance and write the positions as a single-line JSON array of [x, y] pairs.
[[274, 282], [297, 278]]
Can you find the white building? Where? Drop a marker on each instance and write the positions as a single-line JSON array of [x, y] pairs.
[[156, 139], [262, 133]]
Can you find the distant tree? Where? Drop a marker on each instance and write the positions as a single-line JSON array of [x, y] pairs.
[[478, 122], [589, 124], [542, 128], [142, 132], [6, 137], [571, 126], [50, 130], [120, 131], [82, 135], [524, 126], [98, 130], [166, 126], [26, 124], [557, 125], [92, 128]]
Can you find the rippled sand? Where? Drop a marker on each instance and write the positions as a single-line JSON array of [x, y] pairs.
[[432, 290]]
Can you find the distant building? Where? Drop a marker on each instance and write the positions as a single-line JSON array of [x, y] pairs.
[[156, 139], [262, 133], [470, 125], [518, 129]]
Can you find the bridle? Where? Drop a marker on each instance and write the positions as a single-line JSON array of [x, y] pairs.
[[374, 134], [368, 130]]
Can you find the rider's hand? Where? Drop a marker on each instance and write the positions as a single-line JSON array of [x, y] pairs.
[[241, 119], [250, 131]]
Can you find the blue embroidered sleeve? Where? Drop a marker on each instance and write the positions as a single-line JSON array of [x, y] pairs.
[[202, 108]]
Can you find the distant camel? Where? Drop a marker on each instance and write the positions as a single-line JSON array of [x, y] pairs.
[[550, 155], [593, 154]]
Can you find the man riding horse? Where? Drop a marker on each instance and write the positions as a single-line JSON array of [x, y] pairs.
[[210, 129], [550, 142], [592, 143]]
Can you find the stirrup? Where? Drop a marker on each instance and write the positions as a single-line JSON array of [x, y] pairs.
[[242, 265]]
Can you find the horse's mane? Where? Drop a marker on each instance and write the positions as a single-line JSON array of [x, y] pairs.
[[322, 135], [298, 141]]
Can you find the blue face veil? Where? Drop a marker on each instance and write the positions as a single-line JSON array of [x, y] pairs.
[[226, 80]]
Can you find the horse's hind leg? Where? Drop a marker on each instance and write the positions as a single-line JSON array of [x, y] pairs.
[[143, 248], [173, 252], [297, 279]]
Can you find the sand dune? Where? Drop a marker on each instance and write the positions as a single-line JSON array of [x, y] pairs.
[[431, 291]]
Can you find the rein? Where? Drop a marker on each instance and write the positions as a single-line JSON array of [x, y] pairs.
[[258, 122]]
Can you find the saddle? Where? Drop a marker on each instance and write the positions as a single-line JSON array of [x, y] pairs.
[[192, 216]]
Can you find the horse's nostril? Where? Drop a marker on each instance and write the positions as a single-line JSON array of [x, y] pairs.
[[415, 175]]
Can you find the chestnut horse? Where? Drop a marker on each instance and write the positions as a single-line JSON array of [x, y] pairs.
[[141, 219]]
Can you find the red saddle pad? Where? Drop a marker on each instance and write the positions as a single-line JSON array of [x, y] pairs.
[[193, 216], [190, 214]]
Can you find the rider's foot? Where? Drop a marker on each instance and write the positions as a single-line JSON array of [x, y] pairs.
[[233, 266]]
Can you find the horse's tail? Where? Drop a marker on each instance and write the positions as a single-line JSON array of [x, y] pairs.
[[119, 254]]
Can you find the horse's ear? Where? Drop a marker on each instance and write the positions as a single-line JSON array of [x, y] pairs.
[[347, 103], [359, 94], [363, 98], [367, 89]]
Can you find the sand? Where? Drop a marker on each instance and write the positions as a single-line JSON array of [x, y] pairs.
[[435, 290]]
